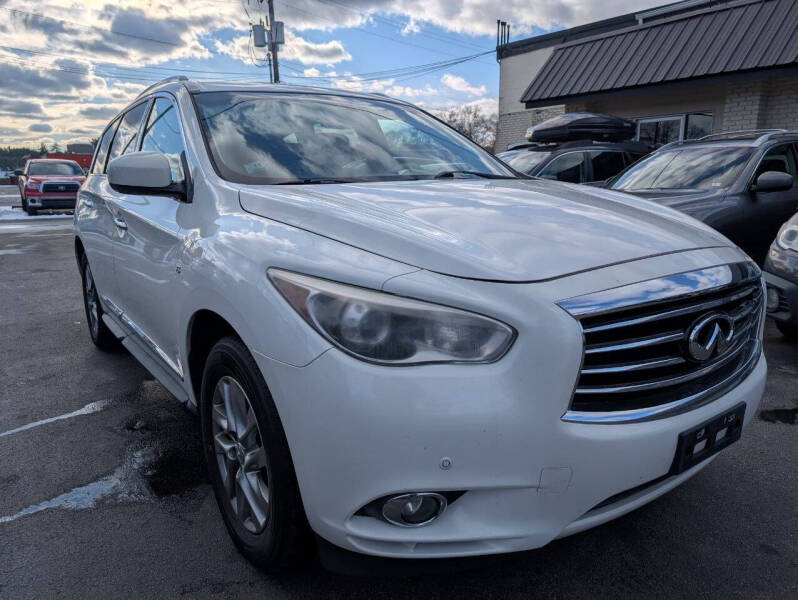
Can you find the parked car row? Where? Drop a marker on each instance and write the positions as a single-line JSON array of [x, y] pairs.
[[743, 184], [398, 343]]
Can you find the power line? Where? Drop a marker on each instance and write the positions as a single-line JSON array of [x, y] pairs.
[[140, 74]]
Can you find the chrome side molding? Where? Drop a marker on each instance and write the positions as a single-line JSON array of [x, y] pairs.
[[176, 367]]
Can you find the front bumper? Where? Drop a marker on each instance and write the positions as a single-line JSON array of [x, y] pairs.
[[787, 293], [53, 201], [359, 431]]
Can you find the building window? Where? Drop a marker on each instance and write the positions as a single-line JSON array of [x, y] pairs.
[[697, 125], [674, 128], [660, 130]]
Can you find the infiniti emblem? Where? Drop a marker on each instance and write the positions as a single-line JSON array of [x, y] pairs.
[[710, 336]]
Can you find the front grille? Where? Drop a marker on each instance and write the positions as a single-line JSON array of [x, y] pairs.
[[60, 188], [636, 356]]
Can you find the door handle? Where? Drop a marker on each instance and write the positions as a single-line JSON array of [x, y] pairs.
[[119, 221]]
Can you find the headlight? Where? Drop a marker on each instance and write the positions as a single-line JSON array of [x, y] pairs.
[[392, 330], [32, 185], [788, 238]]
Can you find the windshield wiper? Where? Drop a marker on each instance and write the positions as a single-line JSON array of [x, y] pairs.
[[314, 180], [453, 173]]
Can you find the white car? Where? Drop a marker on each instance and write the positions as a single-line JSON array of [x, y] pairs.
[[398, 344]]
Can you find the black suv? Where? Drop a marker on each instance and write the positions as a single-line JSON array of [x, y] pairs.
[[740, 183], [781, 276], [581, 161]]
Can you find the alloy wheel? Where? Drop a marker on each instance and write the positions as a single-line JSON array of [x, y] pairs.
[[91, 302], [240, 454]]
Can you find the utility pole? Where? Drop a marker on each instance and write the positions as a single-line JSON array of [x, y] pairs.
[[272, 44]]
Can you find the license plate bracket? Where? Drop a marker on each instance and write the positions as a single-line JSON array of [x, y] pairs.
[[707, 439]]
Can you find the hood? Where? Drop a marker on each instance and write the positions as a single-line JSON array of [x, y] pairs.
[[505, 230], [40, 178], [699, 204]]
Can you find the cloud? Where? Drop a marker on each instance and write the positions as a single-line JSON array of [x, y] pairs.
[[99, 112], [310, 53], [40, 127], [20, 107], [296, 48], [475, 17], [459, 84]]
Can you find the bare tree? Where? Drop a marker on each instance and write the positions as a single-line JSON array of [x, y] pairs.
[[471, 121], [42, 148]]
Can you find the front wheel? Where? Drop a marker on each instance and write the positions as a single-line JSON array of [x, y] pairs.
[[248, 460]]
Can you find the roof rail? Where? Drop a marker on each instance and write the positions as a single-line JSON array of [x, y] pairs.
[[777, 134], [162, 81], [742, 133]]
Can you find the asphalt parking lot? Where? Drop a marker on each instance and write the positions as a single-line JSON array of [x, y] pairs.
[[103, 494]]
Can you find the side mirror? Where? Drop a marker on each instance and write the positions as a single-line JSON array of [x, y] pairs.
[[144, 173], [773, 181]]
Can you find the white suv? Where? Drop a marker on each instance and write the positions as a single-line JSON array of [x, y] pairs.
[[393, 340]]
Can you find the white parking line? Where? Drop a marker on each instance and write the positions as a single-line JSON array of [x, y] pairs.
[[86, 410], [85, 496], [124, 484]]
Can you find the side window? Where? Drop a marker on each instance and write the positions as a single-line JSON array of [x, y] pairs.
[[98, 166], [567, 167], [162, 134], [606, 164], [125, 138], [780, 159]]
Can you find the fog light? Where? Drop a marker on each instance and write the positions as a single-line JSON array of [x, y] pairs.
[[773, 299], [413, 510]]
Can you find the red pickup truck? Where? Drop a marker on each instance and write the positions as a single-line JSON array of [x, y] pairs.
[[49, 184]]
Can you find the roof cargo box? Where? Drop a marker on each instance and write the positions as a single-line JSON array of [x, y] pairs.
[[582, 126]]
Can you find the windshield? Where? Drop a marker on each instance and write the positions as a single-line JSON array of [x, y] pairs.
[[691, 169], [54, 168], [262, 138], [526, 162]]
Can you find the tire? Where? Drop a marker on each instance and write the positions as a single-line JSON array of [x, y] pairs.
[[270, 530], [24, 201], [31, 211], [788, 330], [98, 330]]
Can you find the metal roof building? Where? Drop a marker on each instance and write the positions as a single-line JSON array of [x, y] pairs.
[[681, 70]]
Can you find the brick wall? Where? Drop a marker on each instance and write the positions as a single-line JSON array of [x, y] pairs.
[[512, 126], [744, 107], [781, 108], [762, 103]]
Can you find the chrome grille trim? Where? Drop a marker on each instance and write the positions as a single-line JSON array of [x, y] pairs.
[[671, 408], [664, 382], [635, 366], [692, 308], [638, 343]]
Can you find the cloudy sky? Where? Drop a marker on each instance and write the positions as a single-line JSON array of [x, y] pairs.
[[67, 66]]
